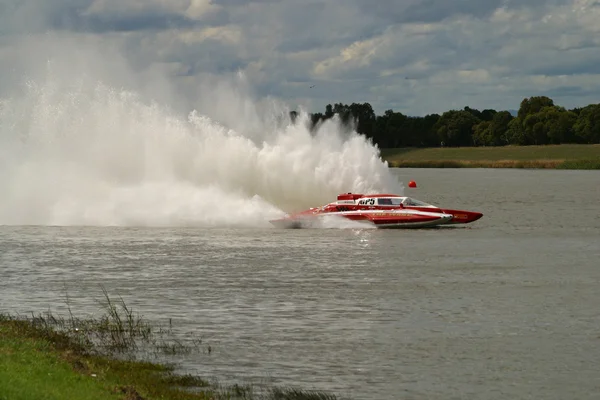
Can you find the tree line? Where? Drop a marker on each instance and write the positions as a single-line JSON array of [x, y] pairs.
[[538, 121]]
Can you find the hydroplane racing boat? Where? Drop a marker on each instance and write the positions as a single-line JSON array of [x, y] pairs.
[[381, 210]]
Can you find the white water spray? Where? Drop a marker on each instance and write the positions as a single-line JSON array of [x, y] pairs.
[[88, 154]]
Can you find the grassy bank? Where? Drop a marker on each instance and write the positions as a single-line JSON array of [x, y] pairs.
[[45, 357], [566, 156], [37, 363]]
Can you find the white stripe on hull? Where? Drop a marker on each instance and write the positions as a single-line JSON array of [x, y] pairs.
[[307, 221]]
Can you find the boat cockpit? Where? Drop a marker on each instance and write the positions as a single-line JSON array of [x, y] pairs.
[[393, 201]]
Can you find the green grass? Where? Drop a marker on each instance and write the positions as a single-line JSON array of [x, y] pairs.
[[566, 156], [30, 369], [38, 362], [45, 357]]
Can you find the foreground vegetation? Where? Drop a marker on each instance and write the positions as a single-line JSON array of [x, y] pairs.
[[44, 357], [537, 122], [565, 156]]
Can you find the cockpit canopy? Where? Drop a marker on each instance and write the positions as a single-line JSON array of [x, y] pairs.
[[389, 201], [409, 201], [393, 201], [380, 200]]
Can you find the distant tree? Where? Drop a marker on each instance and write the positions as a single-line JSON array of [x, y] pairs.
[[515, 132], [576, 110], [499, 127], [549, 125], [364, 117], [428, 135], [328, 111], [558, 124], [389, 130], [476, 113], [488, 114], [455, 128], [485, 115], [315, 119], [533, 105], [482, 134], [538, 121], [494, 132], [587, 125]]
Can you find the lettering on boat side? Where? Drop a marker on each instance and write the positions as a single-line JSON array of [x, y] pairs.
[[396, 215]]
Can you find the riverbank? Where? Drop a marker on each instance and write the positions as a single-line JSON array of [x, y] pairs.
[[566, 156], [67, 358], [39, 363]]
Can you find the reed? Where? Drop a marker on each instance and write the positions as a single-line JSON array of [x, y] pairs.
[[118, 331], [298, 394], [580, 164]]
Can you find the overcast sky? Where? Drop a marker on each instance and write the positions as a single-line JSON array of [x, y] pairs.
[[413, 56]]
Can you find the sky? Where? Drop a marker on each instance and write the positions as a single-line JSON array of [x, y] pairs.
[[412, 56]]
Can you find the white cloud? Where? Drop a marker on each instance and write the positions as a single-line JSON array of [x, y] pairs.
[[415, 56], [200, 8], [229, 34]]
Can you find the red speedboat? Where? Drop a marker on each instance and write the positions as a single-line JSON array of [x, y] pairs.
[[381, 210]]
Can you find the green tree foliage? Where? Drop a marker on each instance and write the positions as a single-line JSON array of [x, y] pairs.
[[538, 121], [587, 125], [494, 132], [455, 128], [533, 105], [485, 115], [388, 129]]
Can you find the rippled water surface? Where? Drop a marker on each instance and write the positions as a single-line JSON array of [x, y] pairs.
[[506, 308]]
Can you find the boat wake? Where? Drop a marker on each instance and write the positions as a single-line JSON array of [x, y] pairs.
[[79, 152]]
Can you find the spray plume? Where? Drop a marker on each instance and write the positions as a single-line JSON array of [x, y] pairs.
[[80, 152]]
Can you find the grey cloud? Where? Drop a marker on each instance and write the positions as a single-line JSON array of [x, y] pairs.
[[138, 22], [570, 91], [32, 16], [415, 69], [572, 64], [297, 26], [427, 10], [234, 3]]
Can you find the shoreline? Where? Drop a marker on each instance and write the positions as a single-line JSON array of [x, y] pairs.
[[563, 156], [523, 164], [44, 356]]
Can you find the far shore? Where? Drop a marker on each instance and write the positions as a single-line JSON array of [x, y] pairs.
[[566, 156]]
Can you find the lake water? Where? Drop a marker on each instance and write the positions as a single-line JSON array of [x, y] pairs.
[[505, 308]]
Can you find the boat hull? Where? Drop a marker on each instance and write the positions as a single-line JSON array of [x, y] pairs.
[[458, 216], [385, 211], [380, 219]]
